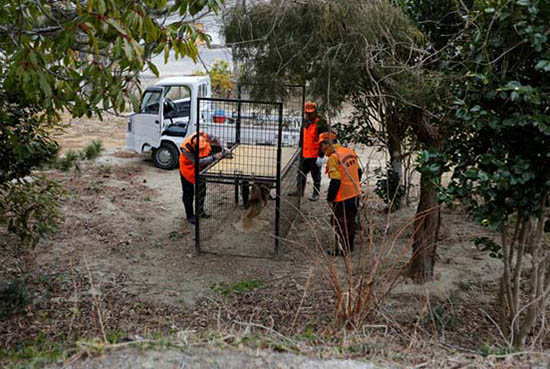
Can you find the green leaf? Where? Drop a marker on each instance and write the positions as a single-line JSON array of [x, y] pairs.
[[116, 25], [543, 65], [44, 84], [127, 49], [153, 68], [166, 53], [101, 9]]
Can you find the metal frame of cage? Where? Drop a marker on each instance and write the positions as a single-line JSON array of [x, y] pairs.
[[237, 180]]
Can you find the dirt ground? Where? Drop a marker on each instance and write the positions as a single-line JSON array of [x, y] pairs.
[[122, 265]]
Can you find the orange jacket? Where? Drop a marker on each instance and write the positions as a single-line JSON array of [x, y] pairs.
[[187, 154], [348, 168], [310, 147]]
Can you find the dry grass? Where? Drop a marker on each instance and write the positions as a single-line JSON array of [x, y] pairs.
[[294, 309]]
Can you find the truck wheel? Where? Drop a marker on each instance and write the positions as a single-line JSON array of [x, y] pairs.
[[166, 156]]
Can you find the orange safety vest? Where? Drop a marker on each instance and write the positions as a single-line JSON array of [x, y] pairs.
[[310, 141], [187, 167], [350, 186]]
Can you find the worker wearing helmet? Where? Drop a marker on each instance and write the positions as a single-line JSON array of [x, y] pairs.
[[344, 190], [188, 149], [311, 161]]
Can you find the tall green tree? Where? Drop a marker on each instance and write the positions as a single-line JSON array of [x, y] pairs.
[[82, 57], [366, 52], [501, 148], [343, 51]]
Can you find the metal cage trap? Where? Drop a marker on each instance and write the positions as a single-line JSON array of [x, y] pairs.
[[245, 198]]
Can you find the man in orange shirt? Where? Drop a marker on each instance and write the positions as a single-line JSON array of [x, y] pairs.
[[311, 161], [203, 143], [344, 190]]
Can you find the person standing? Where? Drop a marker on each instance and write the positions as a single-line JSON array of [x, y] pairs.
[[203, 143], [311, 161], [344, 191]]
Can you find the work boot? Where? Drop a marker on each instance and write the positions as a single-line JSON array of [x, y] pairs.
[[190, 214], [204, 215], [314, 196]]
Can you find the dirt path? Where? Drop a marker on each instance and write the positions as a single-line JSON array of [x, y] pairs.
[[193, 358], [136, 211]]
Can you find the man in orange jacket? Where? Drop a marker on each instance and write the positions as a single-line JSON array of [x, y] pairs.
[[203, 142], [311, 161], [344, 190]]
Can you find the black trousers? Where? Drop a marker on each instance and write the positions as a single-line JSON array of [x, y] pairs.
[[188, 196], [344, 220], [309, 165]]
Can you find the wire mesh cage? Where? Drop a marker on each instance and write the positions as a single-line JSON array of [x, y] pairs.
[[243, 198], [291, 96]]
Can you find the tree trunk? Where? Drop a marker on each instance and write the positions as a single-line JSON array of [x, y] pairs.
[[395, 132], [426, 223], [427, 219], [396, 168]]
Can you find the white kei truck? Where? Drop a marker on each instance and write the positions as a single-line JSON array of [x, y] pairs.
[[168, 113]]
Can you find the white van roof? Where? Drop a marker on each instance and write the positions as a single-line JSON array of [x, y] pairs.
[[183, 80]]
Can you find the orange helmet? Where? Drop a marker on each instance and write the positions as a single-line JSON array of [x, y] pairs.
[[326, 136], [310, 107]]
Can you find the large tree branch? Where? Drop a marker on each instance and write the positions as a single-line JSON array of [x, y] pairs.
[[32, 32]]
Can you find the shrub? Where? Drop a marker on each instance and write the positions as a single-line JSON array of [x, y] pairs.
[[29, 209], [389, 187], [72, 158], [221, 78], [68, 161], [92, 151], [14, 296]]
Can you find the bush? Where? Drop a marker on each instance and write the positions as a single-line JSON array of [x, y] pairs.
[[92, 151], [29, 209], [221, 78], [72, 158], [389, 187], [14, 297], [68, 161]]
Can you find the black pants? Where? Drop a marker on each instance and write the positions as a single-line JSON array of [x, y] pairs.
[[309, 165], [344, 220], [188, 196]]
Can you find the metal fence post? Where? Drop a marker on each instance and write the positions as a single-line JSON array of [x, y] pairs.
[[301, 144], [278, 183], [197, 187], [238, 138]]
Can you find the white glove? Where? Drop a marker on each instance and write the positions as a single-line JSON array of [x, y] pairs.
[[319, 162]]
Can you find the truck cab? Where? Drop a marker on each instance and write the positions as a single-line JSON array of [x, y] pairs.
[[169, 111], [166, 112]]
